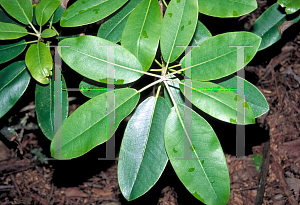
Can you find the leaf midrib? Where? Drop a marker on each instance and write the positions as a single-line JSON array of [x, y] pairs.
[[70, 48], [75, 15], [17, 75], [39, 60], [214, 58], [118, 23], [177, 31], [11, 46], [42, 13], [211, 96], [142, 28], [148, 134], [23, 11], [194, 150], [99, 119]]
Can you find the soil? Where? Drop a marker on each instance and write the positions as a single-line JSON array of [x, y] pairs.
[[27, 177]]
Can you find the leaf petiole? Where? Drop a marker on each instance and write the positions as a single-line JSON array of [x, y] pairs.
[[165, 3], [33, 28], [34, 34], [55, 30], [158, 91], [156, 61], [174, 66], [31, 42], [151, 84]]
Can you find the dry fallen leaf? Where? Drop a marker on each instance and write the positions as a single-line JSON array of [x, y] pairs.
[[74, 192], [293, 183]]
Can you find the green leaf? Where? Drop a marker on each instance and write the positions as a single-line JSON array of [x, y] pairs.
[[80, 136], [143, 148], [113, 28], [257, 159], [218, 103], [207, 177], [63, 37], [58, 13], [39, 62], [178, 28], [201, 34], [44, 10], [142, 31], [84, 12], [291, 5], [7, 19], [270, 26], [91, 88], [10, 51], [87, 55], [44, 105], [214, 58], [19, 9], [34, 15], [253, 96], [226, 8], [175, 90], [47, 33], [11, 31], [14, 81]]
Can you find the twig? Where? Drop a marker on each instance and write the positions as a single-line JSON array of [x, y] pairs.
[[6, 187], [50, 194], [15, 184], [279, 174], [294, 106], [263, 175]]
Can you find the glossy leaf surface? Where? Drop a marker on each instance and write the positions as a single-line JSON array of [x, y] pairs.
[[47, 33], [113, 28], [91, 88], [226, 8], [19, 9], [218, 103], [84, 12], [178, 28], [10, 51], [291, 5], [80, 136], [14, 81], [87, 55], [207, 177], [6, 18], [201, 34], [142, 32], [58, 13], [11, 31], [253, 96], [39, 62], [214, 58], [44, 10], [34, 16], [143, 148], [270, 26], [44, 105], [175, 90]]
